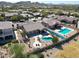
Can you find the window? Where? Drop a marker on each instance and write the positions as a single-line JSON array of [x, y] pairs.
[[9, 37], [1, 39], [1, 31]]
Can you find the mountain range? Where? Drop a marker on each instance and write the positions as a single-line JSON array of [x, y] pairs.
[[25, 4]]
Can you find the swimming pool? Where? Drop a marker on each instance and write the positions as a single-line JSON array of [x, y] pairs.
[[64, 31], [61, 33], [53, 33], [46, 38]]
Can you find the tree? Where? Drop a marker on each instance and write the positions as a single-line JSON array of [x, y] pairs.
[[17, 18], [3, 15], [34, 9], [1, 18], [75, 14], [55, 40], [14, 18], [59, 12], [20, 17], [27, 17], [44, 13], [17, 50], [69, 14]]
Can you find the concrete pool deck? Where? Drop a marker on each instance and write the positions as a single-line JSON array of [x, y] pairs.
[[31, 48], [66, 31], [71, 33]]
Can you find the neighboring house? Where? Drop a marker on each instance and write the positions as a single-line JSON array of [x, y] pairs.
[[65, 12], [26, 15], [77, 25], [24, 12], [16, 10], [6, 32], [51, 23], [37, 14], [33, 28], [51, 15], [67, 19], [9, 15]]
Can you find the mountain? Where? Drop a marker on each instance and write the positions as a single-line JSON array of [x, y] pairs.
[[31, 4], [2, 3], [25, 4], [28, 4]]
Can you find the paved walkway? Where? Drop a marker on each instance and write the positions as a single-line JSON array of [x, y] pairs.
[[19, 37]]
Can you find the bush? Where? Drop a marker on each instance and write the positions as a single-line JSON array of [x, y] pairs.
[[35, 56], [1, 18], [17, 50]]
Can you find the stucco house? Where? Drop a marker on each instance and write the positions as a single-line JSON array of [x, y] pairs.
[[51, 23], [33, 28], [6, 32]]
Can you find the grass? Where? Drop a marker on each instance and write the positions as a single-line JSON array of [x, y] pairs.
[[70, 51], [17, 50]]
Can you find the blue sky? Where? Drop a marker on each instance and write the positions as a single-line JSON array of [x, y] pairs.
[[47, 1]]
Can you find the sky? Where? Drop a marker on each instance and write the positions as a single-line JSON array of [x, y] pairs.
[[47, 1]]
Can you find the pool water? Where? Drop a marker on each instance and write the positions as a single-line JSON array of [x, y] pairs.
[[65, 31], [47, 38], [53, 33]]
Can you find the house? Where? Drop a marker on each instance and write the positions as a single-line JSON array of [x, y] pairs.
[[24, 12], [77, 25], [67, 19], [35, 19], [37, 14], [10, 14], [51, 23], [51, 15], [26, 15], [6, 32], [33, 28], [16, 10]]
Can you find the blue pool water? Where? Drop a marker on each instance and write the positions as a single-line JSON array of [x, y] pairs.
[[47, 38], [65, 31], [53, 33]]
